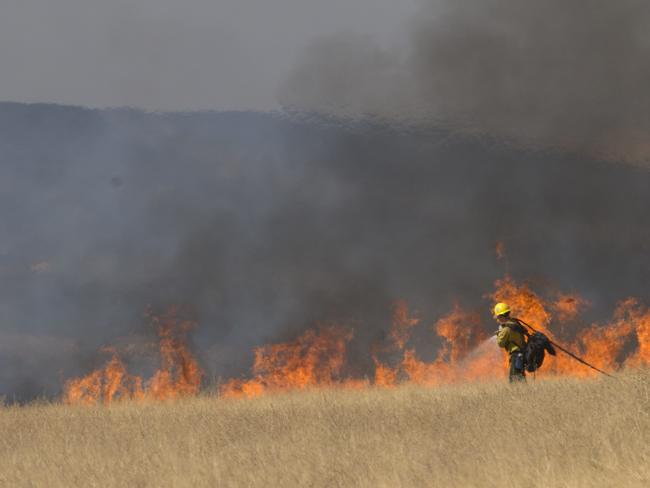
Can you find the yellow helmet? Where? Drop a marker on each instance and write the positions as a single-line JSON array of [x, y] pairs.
[[501, 309]]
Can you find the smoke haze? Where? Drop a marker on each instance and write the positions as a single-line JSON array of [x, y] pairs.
[[264, 225], [171, 55], [492, 123], [557, 73]]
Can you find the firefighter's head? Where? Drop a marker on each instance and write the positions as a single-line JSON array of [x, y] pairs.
[[501, 312]]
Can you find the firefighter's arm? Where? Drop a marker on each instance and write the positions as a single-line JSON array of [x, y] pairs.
[[503, 336]]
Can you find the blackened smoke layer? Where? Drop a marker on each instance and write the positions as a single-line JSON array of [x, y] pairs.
[[560, 73], [265, 225]]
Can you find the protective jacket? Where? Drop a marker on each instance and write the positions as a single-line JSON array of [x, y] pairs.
[[511, 337]]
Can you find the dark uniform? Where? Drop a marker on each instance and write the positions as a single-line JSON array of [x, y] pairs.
[[512, 337]]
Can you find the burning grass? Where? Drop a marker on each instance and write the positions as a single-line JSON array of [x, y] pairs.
[[565, 432], [318, 358], [467, 351], [179, 373]]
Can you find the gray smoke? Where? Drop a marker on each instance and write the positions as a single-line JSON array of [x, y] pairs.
[[559, 73], [264, 225], [167, 54]]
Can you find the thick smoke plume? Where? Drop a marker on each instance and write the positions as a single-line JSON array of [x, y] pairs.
[[261, 226], [559, 73]]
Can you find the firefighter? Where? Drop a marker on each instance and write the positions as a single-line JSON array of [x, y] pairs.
[[512, 337]]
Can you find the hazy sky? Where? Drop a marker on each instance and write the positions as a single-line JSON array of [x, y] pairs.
[[172, 54]]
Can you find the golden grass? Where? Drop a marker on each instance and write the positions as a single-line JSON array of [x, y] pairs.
[[564, 433]]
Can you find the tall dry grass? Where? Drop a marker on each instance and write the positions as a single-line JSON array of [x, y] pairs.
[[566, 433]]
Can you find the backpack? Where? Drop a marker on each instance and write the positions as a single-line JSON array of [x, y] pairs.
[[537, 345]]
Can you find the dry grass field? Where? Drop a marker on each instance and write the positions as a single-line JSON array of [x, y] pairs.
[[559, 433]]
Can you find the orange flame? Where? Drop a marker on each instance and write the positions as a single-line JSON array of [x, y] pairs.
[[317, 358], [179, 374], [466, 354], [400, 333], [606, 347], [463, 333], [525, 304], [106, 384], [314, 359], [633, 318], [500, 250], [384, 375], [402, 324], [567, 307]]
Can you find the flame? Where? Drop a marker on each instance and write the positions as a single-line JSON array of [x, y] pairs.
[[566, 307], [605, 346], [318, 358], [631, 316], [179, 374], [107, 384], [461, 332], [384, 375], [402, 324], [313, 359], [525, 304], [500, 250], [466, 354], [400, 333]]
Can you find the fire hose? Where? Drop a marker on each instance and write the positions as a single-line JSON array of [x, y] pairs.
[[566, 351]]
